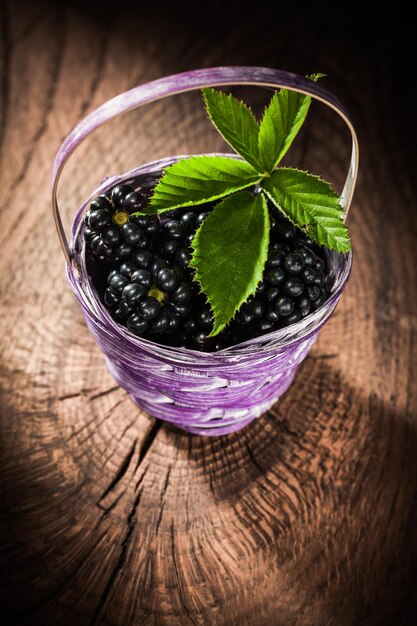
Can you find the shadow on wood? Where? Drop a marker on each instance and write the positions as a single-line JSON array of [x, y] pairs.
[[266, 523]]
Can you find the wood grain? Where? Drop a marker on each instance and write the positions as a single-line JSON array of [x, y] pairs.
[[108, 517]]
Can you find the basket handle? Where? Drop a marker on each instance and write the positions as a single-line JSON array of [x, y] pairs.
[[189, 81]]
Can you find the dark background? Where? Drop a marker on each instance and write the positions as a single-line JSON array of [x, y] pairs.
[[355, 44]]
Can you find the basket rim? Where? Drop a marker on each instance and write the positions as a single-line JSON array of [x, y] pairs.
[[81, 284]]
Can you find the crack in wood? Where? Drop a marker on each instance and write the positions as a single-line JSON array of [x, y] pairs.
[[253, 459], [321, 357], [153, 432], [106, 392], [118, 440], [147, 442], [61, 25], [107, 510], [162, 498], [70, 396], [121, 471], [282, 424], [118, 567]]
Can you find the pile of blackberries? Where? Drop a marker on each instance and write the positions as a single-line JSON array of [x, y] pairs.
[[143, 276]]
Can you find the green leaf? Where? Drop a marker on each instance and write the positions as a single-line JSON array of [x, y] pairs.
[[200, 179], [230, 251], [282, 120], [235, 122], [310, 203]]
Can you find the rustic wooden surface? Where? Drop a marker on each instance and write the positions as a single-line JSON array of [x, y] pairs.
[[307, 516]]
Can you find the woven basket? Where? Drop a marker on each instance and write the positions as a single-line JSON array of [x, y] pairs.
[[203, 393]]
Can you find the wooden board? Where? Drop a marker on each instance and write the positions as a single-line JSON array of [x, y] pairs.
[[307, 516]]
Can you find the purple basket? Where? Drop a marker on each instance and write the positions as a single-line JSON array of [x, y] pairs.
[[202, 393]]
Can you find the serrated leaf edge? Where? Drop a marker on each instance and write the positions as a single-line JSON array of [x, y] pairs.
[[303, 226], [150, 209], [316, 176], [216, 330], [256, 163], [284, 149]]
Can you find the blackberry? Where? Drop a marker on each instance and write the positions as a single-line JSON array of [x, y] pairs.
[[275, 276], [294, 263], [147, 283], [111, 234], [294, 283], [293, 287], [294, 317], [276, 255], [167, 279], [149, 308], [169, 247], [153, 299], [250, 311], [304, 306], [183, 256], [284, 306], [137, 324], [174, 229], [271, 293], [118, 195], [285, 230], [308, 276], [189, 220], [150, 224], [307, 254], [271, 315], [177, 232]]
